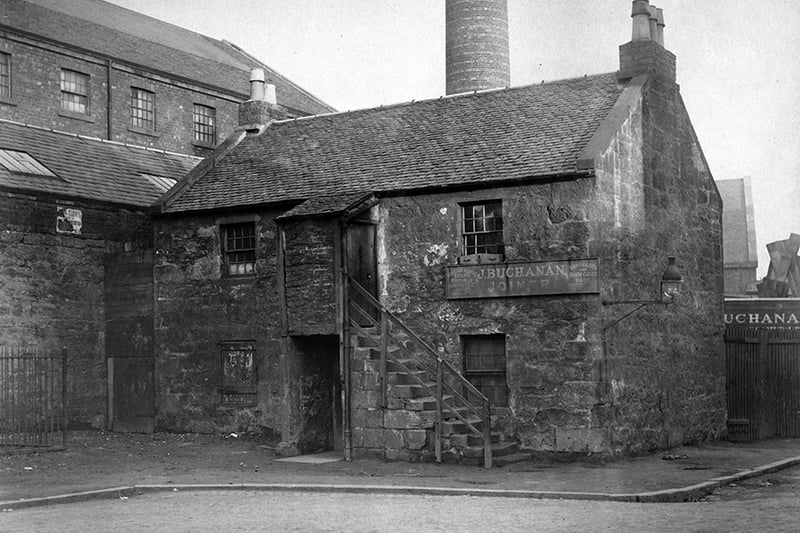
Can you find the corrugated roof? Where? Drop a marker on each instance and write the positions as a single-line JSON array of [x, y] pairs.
[[131, 37], [479, 138], [89, 168]]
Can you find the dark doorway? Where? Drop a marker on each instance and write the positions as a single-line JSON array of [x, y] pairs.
[[320, 393], [128, 295]]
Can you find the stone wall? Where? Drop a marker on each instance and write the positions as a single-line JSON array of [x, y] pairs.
[[552, 345], [663, 369], [51, 290]]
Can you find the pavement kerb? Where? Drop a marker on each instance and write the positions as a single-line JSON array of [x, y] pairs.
[[683, 494]]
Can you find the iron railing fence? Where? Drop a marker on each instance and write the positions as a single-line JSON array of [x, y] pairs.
[[33, 397]]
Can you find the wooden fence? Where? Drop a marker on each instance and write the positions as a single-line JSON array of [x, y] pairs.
[[763, 382]]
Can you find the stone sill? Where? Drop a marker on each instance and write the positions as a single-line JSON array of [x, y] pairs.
[[77, 116], [8, 101], [141, 131]]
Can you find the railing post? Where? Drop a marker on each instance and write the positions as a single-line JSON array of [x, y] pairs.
[[439, 421], [384, 353], [487, 435], [64, 396]]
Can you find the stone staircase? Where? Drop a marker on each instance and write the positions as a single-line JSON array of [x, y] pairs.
[[402, 406]]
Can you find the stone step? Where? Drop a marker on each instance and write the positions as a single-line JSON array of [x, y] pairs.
[[426, 403], [499, 449], [456, 426], [402, 378], [410, 390]]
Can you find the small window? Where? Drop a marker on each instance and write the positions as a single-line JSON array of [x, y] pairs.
[[238, 372], [143, 109], [239, 249], [204, 119], [485, 366], [5, 75], [160, 182], [482, 231], [74, 92]]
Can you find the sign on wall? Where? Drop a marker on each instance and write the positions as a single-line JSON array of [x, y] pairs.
[[763, 312], [575, 276], [69, 220]]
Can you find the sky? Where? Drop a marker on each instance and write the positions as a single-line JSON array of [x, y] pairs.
[[738, 66]]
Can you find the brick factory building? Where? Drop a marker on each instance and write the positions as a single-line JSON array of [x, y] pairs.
[[414, 280], [101, 110]]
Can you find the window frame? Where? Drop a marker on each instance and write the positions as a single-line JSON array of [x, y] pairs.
[[225, 252], [233, 391], [135, 119], [476, 376], [476, 252], [71, 95], [204, 133], [6, 89]]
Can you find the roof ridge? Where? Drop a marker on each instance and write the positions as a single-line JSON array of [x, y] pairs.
[[88, 138], [446, 97]]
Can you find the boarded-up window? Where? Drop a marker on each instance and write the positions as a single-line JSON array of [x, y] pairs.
[[238, 372], [239, 249], [485, 366]]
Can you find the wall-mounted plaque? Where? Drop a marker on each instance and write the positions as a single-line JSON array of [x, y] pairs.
[[572, 276]]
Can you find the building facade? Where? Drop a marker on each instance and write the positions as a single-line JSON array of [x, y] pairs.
[[323, 274]]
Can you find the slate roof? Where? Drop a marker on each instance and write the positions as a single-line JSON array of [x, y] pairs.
[[113, 31], [89, 168], [475, 139]]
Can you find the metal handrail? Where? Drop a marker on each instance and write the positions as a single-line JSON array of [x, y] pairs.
[[437, 370]]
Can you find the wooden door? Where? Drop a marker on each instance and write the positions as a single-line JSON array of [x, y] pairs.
[[362, 263], [133, 395]]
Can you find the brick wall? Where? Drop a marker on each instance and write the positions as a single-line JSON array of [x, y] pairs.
[[51, 291], [36, 99]]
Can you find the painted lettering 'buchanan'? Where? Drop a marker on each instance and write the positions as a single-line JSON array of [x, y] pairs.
[[547, 269], [771, 319], [576, 276]]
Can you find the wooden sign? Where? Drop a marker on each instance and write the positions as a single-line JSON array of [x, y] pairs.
[[574, 276], [781, 313]]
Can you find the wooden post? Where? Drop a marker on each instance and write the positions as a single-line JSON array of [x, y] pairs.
[[487, 435], [384, 353], [64, 396], [439, 421], [763, 404]]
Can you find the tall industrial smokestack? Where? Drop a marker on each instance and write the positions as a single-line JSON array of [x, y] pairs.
[[476, 45]]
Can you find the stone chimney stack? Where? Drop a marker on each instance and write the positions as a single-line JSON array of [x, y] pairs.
[[645, 53], [262, 107], [476, 45]]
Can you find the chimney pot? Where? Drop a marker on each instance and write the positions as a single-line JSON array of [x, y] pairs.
[[257, 84], [660, 26], [641, 20], [653, 22], [269, 94]]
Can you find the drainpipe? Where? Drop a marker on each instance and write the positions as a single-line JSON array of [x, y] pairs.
[[344, 344], [108, 99]]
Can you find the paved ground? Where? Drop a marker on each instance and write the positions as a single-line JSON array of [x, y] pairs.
[[96, 460], [292, 511]]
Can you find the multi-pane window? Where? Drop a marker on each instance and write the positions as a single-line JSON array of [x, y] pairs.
[[239, 248], [483, 228], [238, 372], [74, 91], [143, 109], [204, 119], [5, 75], [485, 366]]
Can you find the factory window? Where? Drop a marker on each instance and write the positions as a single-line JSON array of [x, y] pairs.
[[204, 119], [143, 109], [5, 75], [238, 372], [485, 366], [239, 249], [74, 92], [482, 231]]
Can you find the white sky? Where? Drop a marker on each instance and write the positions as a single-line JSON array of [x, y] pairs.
[[738, 66]]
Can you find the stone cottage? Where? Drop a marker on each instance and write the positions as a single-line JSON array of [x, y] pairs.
[[419, 279]]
